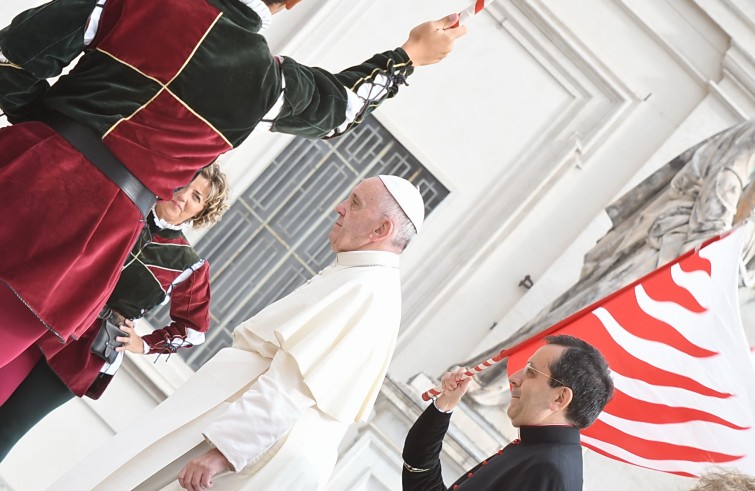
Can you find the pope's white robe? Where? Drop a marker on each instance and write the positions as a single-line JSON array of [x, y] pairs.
[[278, 402]]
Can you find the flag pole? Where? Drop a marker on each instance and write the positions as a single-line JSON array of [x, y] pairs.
[[470, 11], [436, 391]]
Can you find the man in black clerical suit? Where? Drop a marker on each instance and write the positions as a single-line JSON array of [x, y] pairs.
[[564, 387]]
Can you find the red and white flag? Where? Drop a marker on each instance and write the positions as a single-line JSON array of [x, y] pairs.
[[682, 368]]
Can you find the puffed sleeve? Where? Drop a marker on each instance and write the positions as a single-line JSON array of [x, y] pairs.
[[37, 45], [189, 312]]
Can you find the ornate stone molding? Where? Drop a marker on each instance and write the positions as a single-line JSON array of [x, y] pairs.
[[599, 102]]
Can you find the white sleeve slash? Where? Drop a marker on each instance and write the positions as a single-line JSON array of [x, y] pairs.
[[94, 22]]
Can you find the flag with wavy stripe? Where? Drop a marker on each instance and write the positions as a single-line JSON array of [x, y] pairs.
[[685, 381]]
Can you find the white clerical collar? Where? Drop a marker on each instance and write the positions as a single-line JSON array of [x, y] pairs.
[[262, 10], [368, 258]]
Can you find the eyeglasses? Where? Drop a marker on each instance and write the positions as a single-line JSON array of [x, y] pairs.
[[529, 369]]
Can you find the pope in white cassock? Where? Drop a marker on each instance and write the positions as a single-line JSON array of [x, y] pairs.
[[269, 412]]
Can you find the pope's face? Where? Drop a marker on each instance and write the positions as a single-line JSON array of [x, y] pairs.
[[531, 393], [358, 216]]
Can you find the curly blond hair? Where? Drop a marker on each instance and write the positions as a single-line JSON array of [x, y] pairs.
[[217, 200], [725, 480]]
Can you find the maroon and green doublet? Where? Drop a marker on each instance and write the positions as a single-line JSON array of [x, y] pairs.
[[168, 85], [162, 265]]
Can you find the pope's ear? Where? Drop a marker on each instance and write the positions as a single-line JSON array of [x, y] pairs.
[[383, 231]]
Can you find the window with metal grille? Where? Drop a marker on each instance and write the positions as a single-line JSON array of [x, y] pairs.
[[275, 236]]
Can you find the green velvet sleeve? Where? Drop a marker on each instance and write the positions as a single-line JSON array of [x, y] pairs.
[[38, 44], [315, 100]]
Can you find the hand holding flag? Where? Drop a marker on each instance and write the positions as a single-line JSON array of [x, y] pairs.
[[470, 11], [467, 374], [432, 41]]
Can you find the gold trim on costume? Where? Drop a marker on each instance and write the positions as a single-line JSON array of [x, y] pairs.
[[164, 86]]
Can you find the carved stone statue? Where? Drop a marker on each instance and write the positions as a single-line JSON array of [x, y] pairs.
[[699, 194]]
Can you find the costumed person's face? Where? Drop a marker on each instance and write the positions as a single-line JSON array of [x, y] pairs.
[[358, 216], [276, 7], [187, 202], [533, 400]]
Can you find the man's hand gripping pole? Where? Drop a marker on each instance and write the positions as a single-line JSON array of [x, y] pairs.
[[436, 391]]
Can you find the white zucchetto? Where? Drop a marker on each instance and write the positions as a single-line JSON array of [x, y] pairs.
[[408, 198]]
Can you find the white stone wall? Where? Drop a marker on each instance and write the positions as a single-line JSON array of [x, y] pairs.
[[545, 112]]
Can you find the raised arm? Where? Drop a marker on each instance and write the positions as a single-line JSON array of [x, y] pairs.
[[424, 442], [318, 104]]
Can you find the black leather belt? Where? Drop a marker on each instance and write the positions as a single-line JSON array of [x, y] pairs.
[[90, 145]]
